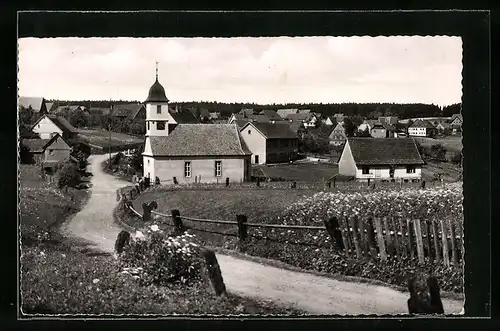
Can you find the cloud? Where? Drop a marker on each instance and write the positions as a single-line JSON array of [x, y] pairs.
[[263, 70]]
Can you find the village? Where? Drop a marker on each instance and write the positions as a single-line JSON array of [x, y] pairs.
[[169, 207], [194, 152]]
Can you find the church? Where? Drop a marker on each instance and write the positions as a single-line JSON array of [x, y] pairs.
[[179, 149]]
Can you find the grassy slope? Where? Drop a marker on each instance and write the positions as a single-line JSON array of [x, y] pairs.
[[452, 143], [101, 138], [300, 171]]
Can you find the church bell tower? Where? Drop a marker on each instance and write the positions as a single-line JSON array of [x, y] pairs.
[[158, 117]]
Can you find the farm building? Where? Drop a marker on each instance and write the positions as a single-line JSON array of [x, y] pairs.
[[271, 114], [337, 137], [35, 104], [194, 153], [456, 123], [47, 152], [383, 130], [285, 112], [131, 111], [392, 120], [176, 145], [381, 159], [270, 142], [308, 118], [48, 125], [421, 128]]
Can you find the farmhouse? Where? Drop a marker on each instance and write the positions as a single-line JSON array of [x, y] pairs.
[[48, 125], [177, 146], [35, 104], [421, 128], [392, 120], [271, 115], [47, 152], [337, 137], [309, 119], [270, 142], [383, 130], [131, 111], [456, 123], [285, 112], [381, 159], [339, 117]]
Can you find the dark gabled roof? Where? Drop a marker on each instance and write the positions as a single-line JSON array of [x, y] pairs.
[[271, 114], [294, 126], [422, 124], [258, 118], [182, 116], [62, 123], [240, 123], [33, 103], [39, 145], [200, 140], [273, 130], [299, 117], [129, 110], [389, 151], [246, 112]]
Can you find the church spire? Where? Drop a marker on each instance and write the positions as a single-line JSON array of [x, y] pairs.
[[157, 70]]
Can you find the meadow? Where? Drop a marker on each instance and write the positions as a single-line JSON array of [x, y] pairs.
[[101, 139]]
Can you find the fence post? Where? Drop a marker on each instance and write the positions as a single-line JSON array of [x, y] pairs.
[[227, 181], [422, 185], [370, 235], [388, 239], [214, 272], [176, 217], [380, 239], [410, 238], [396, 238], [334, 180], [347, 236], [435, 234], [428, 239], [362, 235], [355, 238], [242, 227], [403, 238], [453, 244], [332, 227], [258, 181], [444, 239], [418, 239], [368, 182]]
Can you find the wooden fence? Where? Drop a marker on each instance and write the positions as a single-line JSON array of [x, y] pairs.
[[375, 238]]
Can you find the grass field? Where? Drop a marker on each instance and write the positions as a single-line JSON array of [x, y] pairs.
[[101, 138], [451, 143], [309, 172]]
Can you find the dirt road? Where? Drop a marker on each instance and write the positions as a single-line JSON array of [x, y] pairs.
[[314, 294]]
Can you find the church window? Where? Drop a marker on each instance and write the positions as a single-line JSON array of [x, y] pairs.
[[160, 125], [187, 169], [158, 109]]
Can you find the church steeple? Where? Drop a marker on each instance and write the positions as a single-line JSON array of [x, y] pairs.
[[156, 70], [156, 92]]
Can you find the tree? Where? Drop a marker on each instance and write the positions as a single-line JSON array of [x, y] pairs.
[[68, 175], [24, 155], [374, 115], [457, 158], [137, 161], [438, 152], [349, 127], [364, 133]]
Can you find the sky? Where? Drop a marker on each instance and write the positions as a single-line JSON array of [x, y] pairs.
[[261, 70]]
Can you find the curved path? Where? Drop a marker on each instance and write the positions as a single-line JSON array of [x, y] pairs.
[[314, 294]]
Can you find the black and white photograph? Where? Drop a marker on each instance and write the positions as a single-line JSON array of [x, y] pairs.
[[244, 176]]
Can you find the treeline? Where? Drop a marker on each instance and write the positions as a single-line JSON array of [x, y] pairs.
[[364, 110]]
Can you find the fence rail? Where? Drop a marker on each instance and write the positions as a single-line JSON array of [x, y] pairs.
[[441, 241]]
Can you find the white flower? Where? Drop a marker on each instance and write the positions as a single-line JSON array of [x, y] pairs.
[[154, 228], [95, 280], [139, 235], [42, 253]]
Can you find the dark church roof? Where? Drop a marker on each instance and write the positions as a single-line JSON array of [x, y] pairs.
[[156, 93]]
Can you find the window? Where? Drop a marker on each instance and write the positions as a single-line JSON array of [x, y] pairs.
[[256, 159], [158, 109], [410, 170], [148, 162], [51, 152], [160, 125], [218, 168], [39, 126], [249, 131], [148, 125], [365, 171], [187, 169]]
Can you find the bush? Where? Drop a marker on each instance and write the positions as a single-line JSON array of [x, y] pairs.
[[161, 260], [457, 158], [68, 175]]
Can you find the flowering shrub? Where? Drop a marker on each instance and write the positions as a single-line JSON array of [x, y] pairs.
[[155, 258], [435, 204]]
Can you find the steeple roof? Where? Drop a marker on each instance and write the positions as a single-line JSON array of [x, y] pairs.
[[156, 92]]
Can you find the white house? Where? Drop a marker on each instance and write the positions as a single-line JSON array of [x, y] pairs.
[[48, 125], [190, 152], [381, 159], [327, 121], [421, 128]]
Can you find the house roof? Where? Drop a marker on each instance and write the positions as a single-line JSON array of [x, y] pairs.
[[273, 130], [129, 110], [61, 123], [35, 103], [214, 115], [422, 124], [285, 112], [271, 114], [300, 117], [39, 145], [183, 116], [258, 118], [294, 126], [246, 112], [455, 116], [156, 92], [200, 140], [389, 151], [304, 111], [49, 106], [240, 123], [204, 113]]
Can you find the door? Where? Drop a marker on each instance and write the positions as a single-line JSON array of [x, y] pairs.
[[256, 159], [391, 172]]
